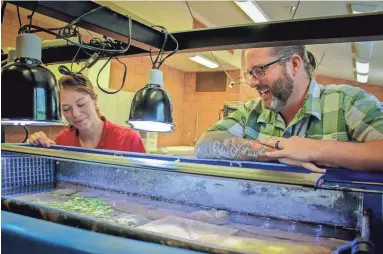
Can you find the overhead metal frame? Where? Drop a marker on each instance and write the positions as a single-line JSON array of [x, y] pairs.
[[105, 21], [338, 29], [64, 54]]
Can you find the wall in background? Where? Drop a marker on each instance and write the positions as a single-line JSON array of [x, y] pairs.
[[201, 109], [115, 107], [10, 27]]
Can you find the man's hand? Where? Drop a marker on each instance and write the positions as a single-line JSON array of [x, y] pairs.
[[39, 138], [261, 151], [307, 165], [296, 151], [296, 148]]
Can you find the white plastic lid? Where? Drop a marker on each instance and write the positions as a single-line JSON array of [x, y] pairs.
[[155, 77], [28, 45]]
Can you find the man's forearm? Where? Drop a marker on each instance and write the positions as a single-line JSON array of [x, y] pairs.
[[221, 145], [358, 156]]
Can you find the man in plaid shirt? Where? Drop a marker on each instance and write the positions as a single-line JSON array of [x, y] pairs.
[[296, 120]]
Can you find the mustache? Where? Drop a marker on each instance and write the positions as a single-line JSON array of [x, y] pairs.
[[263, 89]]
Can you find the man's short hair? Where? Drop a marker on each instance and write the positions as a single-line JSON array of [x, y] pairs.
[[308, 58]]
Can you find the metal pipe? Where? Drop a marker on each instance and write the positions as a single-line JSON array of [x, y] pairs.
[[180, 167]]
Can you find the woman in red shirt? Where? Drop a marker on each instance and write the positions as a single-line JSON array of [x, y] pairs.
[[87, 128]]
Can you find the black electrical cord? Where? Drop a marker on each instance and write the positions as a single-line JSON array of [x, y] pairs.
[[237, 81], [103, 44], [173, 52], [26, 134], [3, 6], [27, 28], [82, 41], [107, 48], [123, 78], [86, 14], [74, 59], [156, 64], [18, 15], [77, 33], [320, 62], [77, 76], [296, 8], [190, 10], [33, 12], [89, 33], [72, 23], [107, 43], [232, 81], [40, 29], [161, 50]]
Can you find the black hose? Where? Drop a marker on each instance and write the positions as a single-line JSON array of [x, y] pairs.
[[26, 134]]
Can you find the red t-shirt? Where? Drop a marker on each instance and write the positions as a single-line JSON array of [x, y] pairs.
[[114, 137]]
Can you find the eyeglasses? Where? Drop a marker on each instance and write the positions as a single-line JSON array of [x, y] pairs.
[[260, 71]]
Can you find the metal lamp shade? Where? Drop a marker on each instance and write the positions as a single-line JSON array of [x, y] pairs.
[[151, 110], [29, 93]]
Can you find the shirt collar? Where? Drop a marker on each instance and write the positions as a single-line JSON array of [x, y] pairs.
[[311, 106], [268, 116]]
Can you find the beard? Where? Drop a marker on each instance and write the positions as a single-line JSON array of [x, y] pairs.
[[281, 91]]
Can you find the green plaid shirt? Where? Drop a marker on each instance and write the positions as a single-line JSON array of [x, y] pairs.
[[332, 112]]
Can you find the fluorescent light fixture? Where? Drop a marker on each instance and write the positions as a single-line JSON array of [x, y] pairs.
[[362, 67], [361, 78], [204, 61], [363, 8], [151, 126], [252, 9]]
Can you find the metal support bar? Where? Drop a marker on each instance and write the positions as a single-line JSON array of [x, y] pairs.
[[336, 29], [64, 54], [310, 180], [105, 22], [61, 54]]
